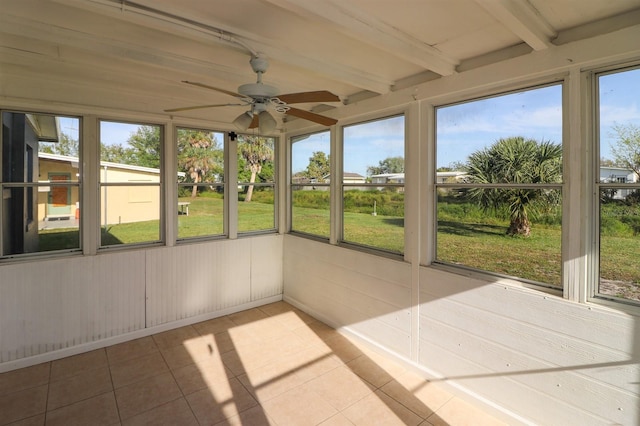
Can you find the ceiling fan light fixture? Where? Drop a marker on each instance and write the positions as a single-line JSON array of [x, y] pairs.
[[267, 123], [243, 121]]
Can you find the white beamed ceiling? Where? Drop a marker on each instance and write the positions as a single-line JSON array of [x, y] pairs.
[[132, 56]]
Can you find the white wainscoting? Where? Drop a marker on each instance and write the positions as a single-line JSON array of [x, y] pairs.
[[58, 307], [370, 294]]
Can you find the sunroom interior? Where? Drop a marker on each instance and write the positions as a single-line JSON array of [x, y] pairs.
[[452, 184]]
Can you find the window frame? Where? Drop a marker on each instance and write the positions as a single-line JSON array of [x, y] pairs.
[[290, 185], [557, 80], [224, 185], [160, 185], [35, 185], [274, 185], [593, 285], [338, 170]]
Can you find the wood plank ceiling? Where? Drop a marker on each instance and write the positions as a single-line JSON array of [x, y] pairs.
[[133, 55]]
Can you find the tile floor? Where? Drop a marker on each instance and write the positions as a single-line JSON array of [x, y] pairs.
[[272, 365]]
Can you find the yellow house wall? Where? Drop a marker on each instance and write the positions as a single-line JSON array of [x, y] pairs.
[[125, 204]]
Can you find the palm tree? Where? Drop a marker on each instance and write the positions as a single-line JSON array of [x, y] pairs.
[[198, 155], [256, 151], [515, 160]]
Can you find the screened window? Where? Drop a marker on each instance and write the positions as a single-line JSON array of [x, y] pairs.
[[310, 201], [200, 183], [130, 183], [619, 185], [373, 184], [40, 183], [498, 185], [256, 183]]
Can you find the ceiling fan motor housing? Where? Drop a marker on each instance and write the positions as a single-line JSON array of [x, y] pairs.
[[258, 90]]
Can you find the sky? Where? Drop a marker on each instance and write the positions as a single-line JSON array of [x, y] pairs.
[[461, 128]]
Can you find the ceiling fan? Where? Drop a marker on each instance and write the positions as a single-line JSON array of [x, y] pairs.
[[259, 97]]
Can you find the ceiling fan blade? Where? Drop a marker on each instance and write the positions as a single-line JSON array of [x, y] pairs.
[[302, 97], [217, 89], [200, 107], [312, 116], [255, 122]]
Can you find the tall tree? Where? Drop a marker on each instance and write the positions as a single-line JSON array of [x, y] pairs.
[[64, 146], [256, 152], [116, 153], [515, 160], [318, 166], [145, 147], [388, 165], [198, 155], [626, 151]]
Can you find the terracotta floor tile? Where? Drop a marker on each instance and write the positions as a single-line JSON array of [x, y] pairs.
[[276, 308], [199, 350], [144, 395], [125, 373], [172, 413], [23, 404], [299, 406], [131, 350], [379, 409], [340, 387], [370, 371], [430, 394], [79, 387], [270, 381], [24, 378], [214, 326], [312, 363], [99, 410], [175, 337], [337, 420], [248, 316], [457, 412], [195, 377], [255, 416], [343, 348], [31, 421], [226, 400], [70, 366], [292, 320]]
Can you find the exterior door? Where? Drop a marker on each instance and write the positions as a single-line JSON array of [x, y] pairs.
[[59, 199]]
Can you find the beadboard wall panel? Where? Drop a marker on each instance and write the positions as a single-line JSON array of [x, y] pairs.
[[580, 362], [56, 304], [369, 294]]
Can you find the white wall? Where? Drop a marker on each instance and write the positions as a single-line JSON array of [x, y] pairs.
[[54, 308], [540, 358]]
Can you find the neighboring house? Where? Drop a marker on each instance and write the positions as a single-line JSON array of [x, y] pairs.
[[347, 177], [118, 204], [388, 178], [450, 177], [618, 175]]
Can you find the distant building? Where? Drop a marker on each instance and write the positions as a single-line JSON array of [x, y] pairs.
[[348, 177], [618, 175]]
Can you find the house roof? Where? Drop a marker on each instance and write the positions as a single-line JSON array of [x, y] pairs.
[[72, 160]]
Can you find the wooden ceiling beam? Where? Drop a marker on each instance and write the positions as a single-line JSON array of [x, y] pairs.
[[523, 20], [357, 24]]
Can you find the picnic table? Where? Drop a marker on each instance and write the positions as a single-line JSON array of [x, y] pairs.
[[183, 207]]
